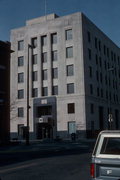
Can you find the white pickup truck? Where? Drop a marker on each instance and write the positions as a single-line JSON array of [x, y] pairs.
[[105, 164]]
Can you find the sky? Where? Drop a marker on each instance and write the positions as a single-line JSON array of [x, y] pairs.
[[104, 13]]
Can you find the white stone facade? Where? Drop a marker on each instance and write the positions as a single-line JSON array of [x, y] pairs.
[[81, 75]]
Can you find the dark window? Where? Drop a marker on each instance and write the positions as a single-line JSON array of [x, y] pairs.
[[89, 53], [107, 52], [91, 89], [70, 88], [45, 91], [54, 38], [44, 74], [69, 52], [34, 59], [21, 61], [54, 55], [44, 110], [98, 91], [44, 57], [35, 92], [20, 77], [96, 58], [89, 36], [104, 50], [20, 45], [101, 93], [90, 71], [100, 61], [96, 43], [70, 70], [55, 90], [101, 78], [100, 45], [44, 40], [91, 108], [97, 75], [71, 108], [34, 42], [55, 73], [35, 76], [68, 34], [111, 145], [20, 112], [21, 94]]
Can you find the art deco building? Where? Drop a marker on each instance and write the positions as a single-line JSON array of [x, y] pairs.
[[73, 79]]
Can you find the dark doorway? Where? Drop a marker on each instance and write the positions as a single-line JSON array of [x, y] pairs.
[[44, 130]]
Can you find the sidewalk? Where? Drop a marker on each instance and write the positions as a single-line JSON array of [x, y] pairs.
[[47, 145]]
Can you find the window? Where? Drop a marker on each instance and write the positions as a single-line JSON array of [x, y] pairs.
[[89, 37], [45, 91], [107, 52], [20, 61], [34, 42], [54, 38], [100, 45], [95, 42], [98, 91], [35, 92], [96, 58], [44, 40], [54, 55], [20, 45], [104, 50], [55, 90], [70, 70], [69, 52], [44, 74], [55, 73], [100, 61], [44, 57], [68, 34], [21, 94], [20, 112], [20, 77], [91, 89], [90, 71], [89, 53], [70, 88], [97, 75], [35, 76], [71, 108], [91, 108], [111, 146], [34, 59]]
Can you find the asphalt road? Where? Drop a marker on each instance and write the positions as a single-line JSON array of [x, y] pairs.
[[62, 167], [59, 161]]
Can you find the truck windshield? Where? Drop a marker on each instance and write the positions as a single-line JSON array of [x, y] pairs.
[[111, 145]]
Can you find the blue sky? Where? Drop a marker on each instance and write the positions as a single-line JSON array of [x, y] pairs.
[[104, 13]]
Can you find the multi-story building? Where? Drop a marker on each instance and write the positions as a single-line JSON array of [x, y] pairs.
[[73, 79], [4, 91]]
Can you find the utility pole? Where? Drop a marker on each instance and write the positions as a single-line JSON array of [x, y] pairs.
[[28, 105], [110, 116]]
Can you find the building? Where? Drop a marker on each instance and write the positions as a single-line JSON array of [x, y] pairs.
[[4, 92], [73, 78]]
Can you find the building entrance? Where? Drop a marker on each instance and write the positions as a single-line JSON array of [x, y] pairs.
[[44, 130]]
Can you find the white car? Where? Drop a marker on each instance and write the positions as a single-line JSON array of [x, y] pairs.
[[105, 163]]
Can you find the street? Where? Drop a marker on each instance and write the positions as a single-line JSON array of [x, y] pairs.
[[59, 161], [68, 167]]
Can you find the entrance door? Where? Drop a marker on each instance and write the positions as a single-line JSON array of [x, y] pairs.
[[44, 130], [71, 127]]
